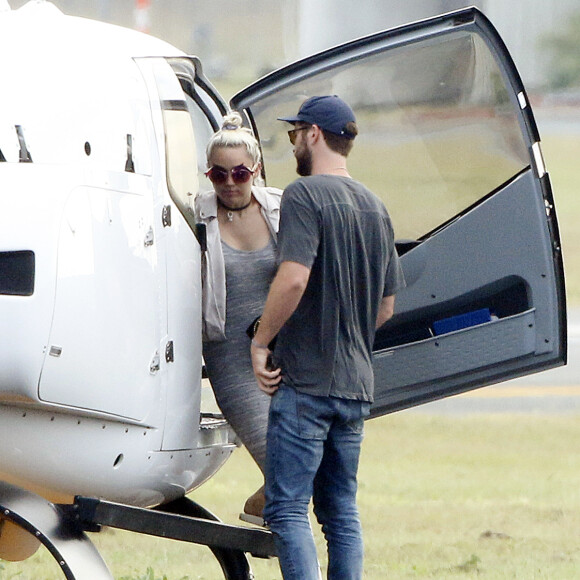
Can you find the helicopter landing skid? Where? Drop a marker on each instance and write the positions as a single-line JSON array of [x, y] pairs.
[[185, 520], [61, 529]]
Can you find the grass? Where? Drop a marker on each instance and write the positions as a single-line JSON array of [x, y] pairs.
[[485, 494], [496, 496], [561, 155]]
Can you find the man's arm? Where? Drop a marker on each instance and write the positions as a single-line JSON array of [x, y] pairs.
[[386, 310], [285, 293]]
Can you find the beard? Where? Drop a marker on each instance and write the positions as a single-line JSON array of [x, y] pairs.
[[303, 161]]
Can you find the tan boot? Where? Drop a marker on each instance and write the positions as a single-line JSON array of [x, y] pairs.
[[254, 508]]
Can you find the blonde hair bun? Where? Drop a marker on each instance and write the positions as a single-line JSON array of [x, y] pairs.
[[232, 121]]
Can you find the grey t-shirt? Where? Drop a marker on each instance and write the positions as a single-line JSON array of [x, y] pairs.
[[341, 231]]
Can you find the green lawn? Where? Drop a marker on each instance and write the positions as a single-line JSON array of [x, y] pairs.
[[562, 156]]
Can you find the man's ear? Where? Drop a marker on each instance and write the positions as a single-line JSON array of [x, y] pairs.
[[317, 134]]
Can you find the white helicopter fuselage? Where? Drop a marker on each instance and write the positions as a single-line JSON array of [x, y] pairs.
[[100, 307]]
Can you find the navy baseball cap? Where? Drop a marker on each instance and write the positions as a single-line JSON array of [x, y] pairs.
[[330, 113]]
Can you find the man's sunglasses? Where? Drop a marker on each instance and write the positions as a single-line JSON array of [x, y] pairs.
[[292, 133], [240, 174]]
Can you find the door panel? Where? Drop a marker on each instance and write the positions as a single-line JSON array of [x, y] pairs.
[[447, 139], [104, 330]]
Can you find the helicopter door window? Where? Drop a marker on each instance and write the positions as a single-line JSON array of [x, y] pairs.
[[189, 119], [437, 132], [203, 131], [205, 107], [180, 141], [180, 149]]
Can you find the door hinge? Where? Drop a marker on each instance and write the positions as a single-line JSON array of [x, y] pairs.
[[166, 216], [169, 352]]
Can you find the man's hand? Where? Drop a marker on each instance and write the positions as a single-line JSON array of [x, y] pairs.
[[285, 293], [267, 379]]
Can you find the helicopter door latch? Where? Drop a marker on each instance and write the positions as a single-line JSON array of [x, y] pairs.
[[169, 352], [149, 238], [155, 364], [24, 155], [129, 164], [166, 216]]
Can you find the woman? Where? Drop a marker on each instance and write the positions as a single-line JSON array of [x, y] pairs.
[[241, 222]]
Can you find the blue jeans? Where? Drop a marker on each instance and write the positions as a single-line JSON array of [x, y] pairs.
[[313, 452]]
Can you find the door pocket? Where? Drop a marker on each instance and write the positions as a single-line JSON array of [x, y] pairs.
[[457, 352]]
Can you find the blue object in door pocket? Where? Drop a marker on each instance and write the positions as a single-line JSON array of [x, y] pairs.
[[460, 321]]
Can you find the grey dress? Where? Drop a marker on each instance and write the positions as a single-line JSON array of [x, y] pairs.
[[228, 362]]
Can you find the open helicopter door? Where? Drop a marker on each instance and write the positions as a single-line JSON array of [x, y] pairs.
[[191, 112], [448, 140]]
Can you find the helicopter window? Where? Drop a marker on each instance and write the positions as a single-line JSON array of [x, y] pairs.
[[204, 104], [180, 145], [180, 141], [203, 130], [437, 128], [204, 108], [190, 109], [18, 270]]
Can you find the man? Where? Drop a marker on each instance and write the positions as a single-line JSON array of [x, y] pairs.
[[337, 276]]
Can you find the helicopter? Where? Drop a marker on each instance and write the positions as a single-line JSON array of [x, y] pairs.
[[102, 139]]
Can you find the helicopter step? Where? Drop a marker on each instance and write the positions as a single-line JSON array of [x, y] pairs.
[[181, 519], [61, 529]]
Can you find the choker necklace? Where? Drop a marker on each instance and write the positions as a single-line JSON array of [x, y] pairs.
[[231, 210]]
